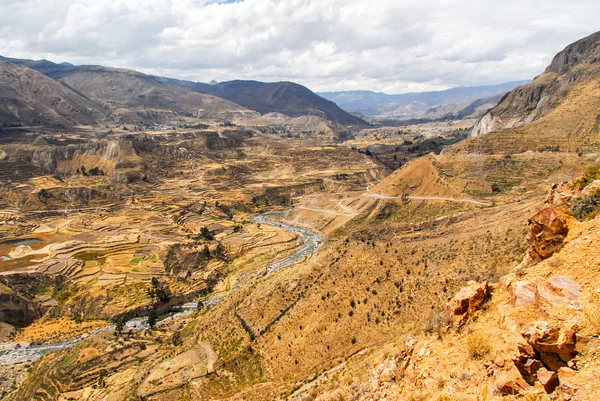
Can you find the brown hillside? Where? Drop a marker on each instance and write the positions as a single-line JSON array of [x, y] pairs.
[[27, 96]]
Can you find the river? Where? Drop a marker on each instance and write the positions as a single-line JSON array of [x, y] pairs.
[[12, 353]]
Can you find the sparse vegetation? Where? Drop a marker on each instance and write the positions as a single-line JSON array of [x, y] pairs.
[[478, 345], [585, 207], [591, 174], [592, 312]]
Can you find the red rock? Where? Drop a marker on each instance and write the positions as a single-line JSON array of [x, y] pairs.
[[546, 233], [466, 302], [552, 361], [555, 348], [510, 384], [548, 379]]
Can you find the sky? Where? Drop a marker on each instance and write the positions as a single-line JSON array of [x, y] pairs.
[[328, 45]]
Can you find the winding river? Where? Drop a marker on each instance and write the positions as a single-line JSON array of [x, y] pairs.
[[12, 353], [312, 241]]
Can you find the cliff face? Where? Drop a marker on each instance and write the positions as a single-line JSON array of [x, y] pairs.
[[576, 64]]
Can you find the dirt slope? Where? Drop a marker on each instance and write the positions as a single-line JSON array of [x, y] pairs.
[[29, 97]]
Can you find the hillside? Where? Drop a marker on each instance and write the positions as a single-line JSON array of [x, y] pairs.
[[29, 97], [137, 98], [301, 270], [413, 105], [286, 98], [570, 71]]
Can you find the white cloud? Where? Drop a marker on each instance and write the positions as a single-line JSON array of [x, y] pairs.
[[391, 46]]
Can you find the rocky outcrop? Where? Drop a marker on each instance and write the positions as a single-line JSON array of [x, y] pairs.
[[527, 103], [556, 291], [548, 351], [546, 233], [466, 302], [584, 50], [17, 310]]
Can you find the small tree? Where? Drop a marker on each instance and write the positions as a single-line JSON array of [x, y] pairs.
[[176, 339], [205, 232], [152, 319], [206, 252], [119, 325], [219, 250]]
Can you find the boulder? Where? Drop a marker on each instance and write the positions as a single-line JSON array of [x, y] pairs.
[[523, 293], [527, 363], [560, 194], [510, 383], [557, 291], [466, 302], [546, 234], [567, 287], [548, 379], [555, 347]]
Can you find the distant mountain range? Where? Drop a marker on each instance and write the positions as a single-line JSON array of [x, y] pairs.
[[92, 95], [417, 105]]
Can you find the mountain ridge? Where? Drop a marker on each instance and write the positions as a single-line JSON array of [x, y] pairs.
[[412, 104], [577, 63], [237, 96]]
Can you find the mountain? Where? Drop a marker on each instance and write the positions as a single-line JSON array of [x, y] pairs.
[[577, 65], [411, 105], [27, 96], [287, 98], [136, 98]]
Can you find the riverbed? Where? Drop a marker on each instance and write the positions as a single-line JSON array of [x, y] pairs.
[[312, 241]]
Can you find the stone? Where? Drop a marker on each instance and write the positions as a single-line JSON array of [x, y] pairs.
[[527, 363], [555, 347], [567, 287], [591, 188], [523, 293], [565, 374], [567, 391], [581, 342], [552, 361], [547, 296], [548, 379], [560, 194], [466, 302], [540, 332], [510, 383], [546, 234]]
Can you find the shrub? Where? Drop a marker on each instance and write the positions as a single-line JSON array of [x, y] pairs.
[[585, 207], [436, 323], [205, 232], [478, 346], [590, 175]]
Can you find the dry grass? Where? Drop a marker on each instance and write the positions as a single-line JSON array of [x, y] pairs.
[[592, 313], [478, 346]]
